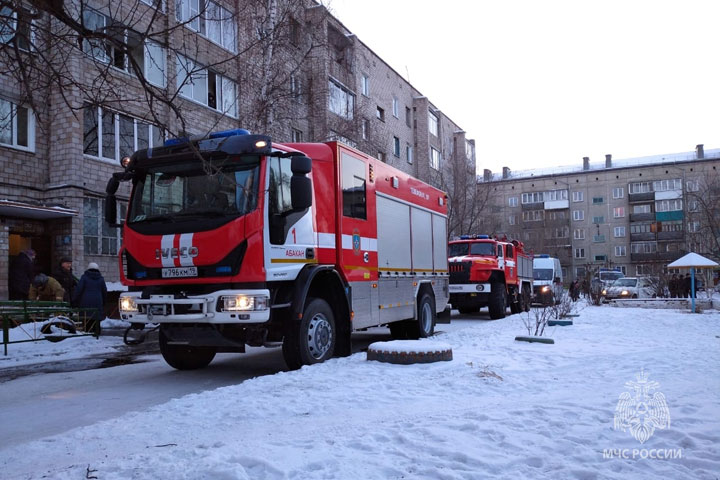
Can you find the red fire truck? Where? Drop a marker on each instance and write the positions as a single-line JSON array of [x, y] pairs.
[[232, 240], [487, 272]]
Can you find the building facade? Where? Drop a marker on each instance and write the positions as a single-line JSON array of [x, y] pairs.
[[635, 215], [139, 71]]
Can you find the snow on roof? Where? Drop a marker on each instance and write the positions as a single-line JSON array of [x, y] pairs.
[[693, 260], [616, 163]]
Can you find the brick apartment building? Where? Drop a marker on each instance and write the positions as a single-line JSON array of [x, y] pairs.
[[295, 73], [636, 215]]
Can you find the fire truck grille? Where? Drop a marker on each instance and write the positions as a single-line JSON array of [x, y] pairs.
[[459, 272]]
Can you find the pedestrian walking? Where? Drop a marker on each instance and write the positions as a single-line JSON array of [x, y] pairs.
[[687, 283], [91, 292], [46, 289], [673, 286], [574, 290], [21, 274], [64, 275]]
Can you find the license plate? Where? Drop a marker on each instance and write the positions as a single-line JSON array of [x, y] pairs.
[[179, 272]]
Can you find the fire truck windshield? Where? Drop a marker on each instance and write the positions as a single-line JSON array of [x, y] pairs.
[[186, 191], [543, 274], [465, 248]]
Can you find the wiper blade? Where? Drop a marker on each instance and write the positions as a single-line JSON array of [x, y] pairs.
[[153, 218]]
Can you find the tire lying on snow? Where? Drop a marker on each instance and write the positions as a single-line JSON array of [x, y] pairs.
[[406, 352]]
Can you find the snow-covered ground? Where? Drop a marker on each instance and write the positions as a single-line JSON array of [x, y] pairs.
[[499, 409]]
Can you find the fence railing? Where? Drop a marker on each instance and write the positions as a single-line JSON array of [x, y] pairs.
[[35, 321]]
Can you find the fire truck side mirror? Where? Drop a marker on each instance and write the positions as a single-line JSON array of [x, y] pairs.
[[300, 192], [111, 210], [300, 164]]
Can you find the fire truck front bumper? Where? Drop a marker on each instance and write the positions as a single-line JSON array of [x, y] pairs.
[[470, 288], [223, 306]]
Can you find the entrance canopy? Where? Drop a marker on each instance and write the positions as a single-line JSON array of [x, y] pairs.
[[10, 208]]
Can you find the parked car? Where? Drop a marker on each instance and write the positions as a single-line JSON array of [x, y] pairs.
[[630, 287]]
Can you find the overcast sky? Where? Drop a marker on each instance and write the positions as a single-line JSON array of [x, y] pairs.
[[541, 83]]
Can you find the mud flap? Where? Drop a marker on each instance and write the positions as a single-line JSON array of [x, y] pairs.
[[444, 316]]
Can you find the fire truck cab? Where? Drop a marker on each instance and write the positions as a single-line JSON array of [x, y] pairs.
[[232, 240]]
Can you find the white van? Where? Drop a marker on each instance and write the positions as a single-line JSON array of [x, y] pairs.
[[547, 280]]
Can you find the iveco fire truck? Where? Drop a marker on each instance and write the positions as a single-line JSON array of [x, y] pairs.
[[233, 240], [485, 272]]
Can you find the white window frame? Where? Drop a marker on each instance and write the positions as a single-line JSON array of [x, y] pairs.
[[9, 118], [618, 192], [155, 4], [512, 201], [7, 37], [409, 153], [693, 226], [297, 135], [579, 234], [433, 124], [620, 251], [578, 196], [619, 232], [102, 232], [199, 16], [137, 125], [396, 107], [578, 215], [365, 85], [672, 205], [512, 219], [692, 186], [396, 146], [618, 212], [434, 158], [193, 82], [580, 252]]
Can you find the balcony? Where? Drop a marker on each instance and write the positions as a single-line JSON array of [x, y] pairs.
[[669, 216], [641, 197], [533, 206], [642, 217], [666, 236], [655, 257], [642, 237]]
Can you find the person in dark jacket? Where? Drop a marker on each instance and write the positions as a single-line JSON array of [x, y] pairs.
[[687, 285], [91, 292], [21, 274], [45, 289], [64, 275]]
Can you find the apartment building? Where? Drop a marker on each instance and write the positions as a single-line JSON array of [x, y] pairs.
[[140, 71], [635, 215]]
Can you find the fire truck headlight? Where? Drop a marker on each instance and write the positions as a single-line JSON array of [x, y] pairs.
[[244, 303], [624, 292], [127, 304], [545, 289], [604, 292]]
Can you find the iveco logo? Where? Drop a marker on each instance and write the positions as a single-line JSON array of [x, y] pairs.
[[182, 252]]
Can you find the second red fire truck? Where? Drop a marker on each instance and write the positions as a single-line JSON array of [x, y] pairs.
[[233, 240], [485, 272]]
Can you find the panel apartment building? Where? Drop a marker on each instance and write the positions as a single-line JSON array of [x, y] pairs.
[[140, 71], [635, 215]]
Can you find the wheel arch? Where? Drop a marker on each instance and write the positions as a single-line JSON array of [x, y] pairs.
[[323, 281]]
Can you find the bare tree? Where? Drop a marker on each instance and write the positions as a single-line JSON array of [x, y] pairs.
[[703, 228]]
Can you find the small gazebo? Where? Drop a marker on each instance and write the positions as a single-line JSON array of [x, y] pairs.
[[693, 261]]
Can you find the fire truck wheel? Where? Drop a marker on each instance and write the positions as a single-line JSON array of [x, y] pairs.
[[312, 340], [424, 326], [498, 301], [184, 357]]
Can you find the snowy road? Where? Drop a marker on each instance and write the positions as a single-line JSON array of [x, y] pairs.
[[34, 409]]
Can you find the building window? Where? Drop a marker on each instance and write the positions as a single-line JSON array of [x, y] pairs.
[[17, 126], [693, 205], [600, 258], [295, 86], [512, 219], [579, 234], [579, 253], [532, 197], [380, 114], [365, 128], [113, 136], [297, 135], [642, 209], [619, 232], [599, 238], [578, 215], [694, 226], [434, 158], [668, 205], [206, 87], [557, 215], [692, 185], [294, 32], [533, 215], [598, 200], [210, 20], [512, 202], [578, 196], [469, 150], [409, 153], [17, 25], [98, 237], [618, 212], [598, 220], [396, 147], [579, 272], [618, 192], [433, 123], [396, 107], [640, 187], [408, 117], [365, 85], [643, 247], [382, 157], [667, 184], [620, 250], [341, 100]]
